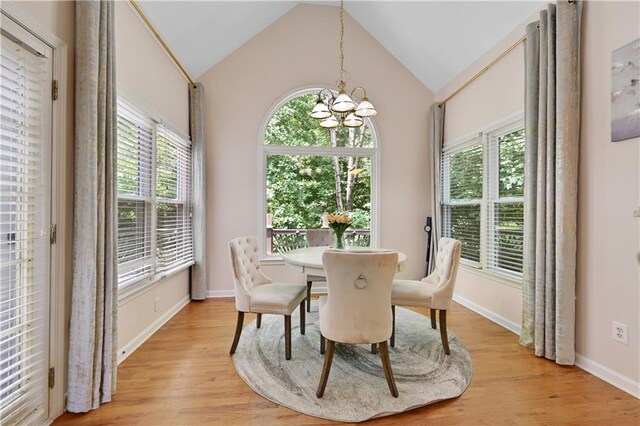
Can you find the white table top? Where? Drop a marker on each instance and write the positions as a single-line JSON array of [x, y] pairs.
[[308, 260]]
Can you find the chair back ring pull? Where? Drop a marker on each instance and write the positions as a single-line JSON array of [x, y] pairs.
[[361, 282]]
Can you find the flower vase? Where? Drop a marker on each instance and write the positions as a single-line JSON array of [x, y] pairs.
[[339, 239]]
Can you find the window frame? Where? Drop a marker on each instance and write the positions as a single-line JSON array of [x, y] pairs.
[[264, 151], [488, 138], [151, 200], [492, 191]]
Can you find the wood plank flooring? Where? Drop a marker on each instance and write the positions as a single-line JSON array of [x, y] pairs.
[[183, 375]]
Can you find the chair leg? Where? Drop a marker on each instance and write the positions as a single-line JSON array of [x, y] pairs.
[[443, 331], [326, 369], [433, 318], [236, 338], [374, 348], [309, 283], [386, 365], [302, 317], [287, 337], [392, 341], [321, 344], [258, 320]]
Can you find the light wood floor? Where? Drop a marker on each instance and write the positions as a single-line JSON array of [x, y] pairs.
[[184, 375]]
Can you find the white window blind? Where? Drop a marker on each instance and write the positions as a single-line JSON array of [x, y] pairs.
[[173, 195], [483, 198], [135, 195], [505, 206], [462, 184], [25, 75], [154, 197]]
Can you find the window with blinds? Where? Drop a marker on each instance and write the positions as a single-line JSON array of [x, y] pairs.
[[505, 204], [25, 81], [154, 197], [462, 173], [483, 198]]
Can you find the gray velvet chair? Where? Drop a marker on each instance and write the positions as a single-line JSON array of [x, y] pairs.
[[435, 291], [317, 238], [256, 293], [358, 305]]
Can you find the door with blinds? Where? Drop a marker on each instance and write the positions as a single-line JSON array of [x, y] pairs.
[[25, 206]]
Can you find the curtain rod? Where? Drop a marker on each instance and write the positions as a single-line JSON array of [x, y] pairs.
[[495, 61], [161, 40], [485, 69]]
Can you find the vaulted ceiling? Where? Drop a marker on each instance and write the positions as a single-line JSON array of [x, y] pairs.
[[435, 40]]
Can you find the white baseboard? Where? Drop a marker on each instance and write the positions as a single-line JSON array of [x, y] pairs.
[[508, 324], [137, 341], [608, 375], [232, 293], [220, 293], [600, 371]]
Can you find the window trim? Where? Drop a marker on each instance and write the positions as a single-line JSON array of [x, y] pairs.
[[264, 150], [487, 137], [136, 285]]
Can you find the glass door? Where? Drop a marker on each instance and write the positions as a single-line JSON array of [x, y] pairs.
[[25, 144]]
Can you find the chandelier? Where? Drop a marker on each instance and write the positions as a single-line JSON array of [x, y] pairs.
[[332, 110]]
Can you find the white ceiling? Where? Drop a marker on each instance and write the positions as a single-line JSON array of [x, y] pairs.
[[435, 40]]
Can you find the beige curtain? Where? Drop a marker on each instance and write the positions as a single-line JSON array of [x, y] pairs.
[[93, 329], [198, 157], [552, 124], [435, 142]]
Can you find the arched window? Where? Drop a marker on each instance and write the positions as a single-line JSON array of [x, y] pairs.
[[309, 171]]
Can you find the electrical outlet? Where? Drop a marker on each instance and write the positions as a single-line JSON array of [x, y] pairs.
[[157, 305], [620, 332]]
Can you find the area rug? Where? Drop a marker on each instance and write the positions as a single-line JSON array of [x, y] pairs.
[[356, 390]]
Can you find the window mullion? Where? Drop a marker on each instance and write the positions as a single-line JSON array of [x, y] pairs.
[[153, 201], [485, 214]]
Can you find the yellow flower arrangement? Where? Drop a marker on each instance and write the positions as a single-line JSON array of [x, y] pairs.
[[339, 223]]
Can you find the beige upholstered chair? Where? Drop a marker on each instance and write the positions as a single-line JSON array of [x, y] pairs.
[[317, 238], [256, 293], [358, 306], [435, 291]]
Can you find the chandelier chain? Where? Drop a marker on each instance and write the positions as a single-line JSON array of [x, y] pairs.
[[342, 70]]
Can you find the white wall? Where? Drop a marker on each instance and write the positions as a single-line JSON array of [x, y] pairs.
[[608, 275], [301, 49], [147, 77]]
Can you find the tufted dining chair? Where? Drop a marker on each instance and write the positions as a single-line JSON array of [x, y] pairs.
[[256, 293], [358, 305], [317, 238], [435, 291]]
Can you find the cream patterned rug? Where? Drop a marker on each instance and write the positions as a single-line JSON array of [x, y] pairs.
[[356, 389]]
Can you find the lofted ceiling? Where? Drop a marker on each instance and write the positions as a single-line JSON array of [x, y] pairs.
[[435, 40]]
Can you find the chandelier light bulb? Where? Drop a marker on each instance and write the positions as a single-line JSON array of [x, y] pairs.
[[343, 103], [352, 120], [320, 110], [330, 122], [365, 109]]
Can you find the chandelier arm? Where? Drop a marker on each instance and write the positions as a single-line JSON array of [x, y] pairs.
[[361, 88]]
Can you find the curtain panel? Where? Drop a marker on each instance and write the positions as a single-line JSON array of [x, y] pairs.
[[199, 216], [435, 141], [93, 329], [552, 125]]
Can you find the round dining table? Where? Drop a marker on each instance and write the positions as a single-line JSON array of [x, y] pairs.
[[308, 260]]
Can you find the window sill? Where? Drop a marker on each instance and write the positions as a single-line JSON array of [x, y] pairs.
[[139, 288], [494, 276]]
